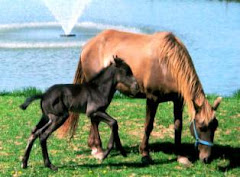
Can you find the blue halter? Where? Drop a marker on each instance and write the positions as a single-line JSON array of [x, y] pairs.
[[198, 140]]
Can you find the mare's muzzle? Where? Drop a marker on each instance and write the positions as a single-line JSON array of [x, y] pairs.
[[198, 140]]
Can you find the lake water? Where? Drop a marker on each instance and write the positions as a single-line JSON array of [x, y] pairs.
[[32, 53]]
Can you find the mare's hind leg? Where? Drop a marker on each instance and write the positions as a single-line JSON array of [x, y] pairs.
[[151, 111], [114, 137], [57, 121], [178, 111], [42, 123], [94, 141]]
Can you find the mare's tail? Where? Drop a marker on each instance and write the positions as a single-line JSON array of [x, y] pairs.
[[71, 123], [29, 100]]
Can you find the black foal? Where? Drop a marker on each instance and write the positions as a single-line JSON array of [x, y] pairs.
[[91, 98]]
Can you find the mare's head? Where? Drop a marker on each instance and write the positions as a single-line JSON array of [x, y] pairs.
[[203, 128], [124, 76]]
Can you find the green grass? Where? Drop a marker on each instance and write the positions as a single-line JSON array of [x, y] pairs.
[[74, 159], [29, 91]]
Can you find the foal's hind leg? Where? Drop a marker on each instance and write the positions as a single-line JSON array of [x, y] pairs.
[[56, 123], [42, 123]]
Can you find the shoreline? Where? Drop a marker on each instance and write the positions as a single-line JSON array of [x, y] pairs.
[[30, 91]]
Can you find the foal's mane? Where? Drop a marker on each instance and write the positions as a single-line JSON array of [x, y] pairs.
[[124, 65], [175, 55], [94, 79]]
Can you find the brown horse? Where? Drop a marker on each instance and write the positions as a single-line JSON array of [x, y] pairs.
[[165, 72]]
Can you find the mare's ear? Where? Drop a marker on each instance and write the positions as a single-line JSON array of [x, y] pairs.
[[196, 107], [118, 61], [217, 103]]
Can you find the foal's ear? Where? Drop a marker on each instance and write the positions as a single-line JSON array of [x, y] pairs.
[[217, 103]]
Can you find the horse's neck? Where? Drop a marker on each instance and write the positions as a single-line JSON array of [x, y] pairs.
[[107, 84]]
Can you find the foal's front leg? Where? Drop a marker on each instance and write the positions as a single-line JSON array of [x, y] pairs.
[[114, 137], [94, 141]]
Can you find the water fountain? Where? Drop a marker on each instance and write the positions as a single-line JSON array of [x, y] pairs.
[[67, 12], [39, 24]]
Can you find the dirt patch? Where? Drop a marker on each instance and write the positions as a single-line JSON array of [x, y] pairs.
[[235, 116], [159, 132]]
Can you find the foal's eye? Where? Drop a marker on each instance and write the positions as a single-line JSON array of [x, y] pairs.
[[129, 72]]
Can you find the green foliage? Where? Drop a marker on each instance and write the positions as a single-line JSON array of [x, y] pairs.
[[74, 158], [29, 91], [237, 94]]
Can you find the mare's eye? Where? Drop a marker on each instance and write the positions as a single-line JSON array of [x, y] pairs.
[[203, 128], [214, 124]]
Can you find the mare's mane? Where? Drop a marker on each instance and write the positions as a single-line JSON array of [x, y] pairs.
[[175, 55]]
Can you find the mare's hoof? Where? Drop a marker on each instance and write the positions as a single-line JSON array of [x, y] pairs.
[[94, 151], [184, 161], [99, 156], [147, 160]]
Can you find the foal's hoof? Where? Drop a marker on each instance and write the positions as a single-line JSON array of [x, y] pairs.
[[24, 165], [124, 154], [99, 156], [147, 160], [52, 167]]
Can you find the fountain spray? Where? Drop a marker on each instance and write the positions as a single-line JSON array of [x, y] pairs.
[[67, 13]]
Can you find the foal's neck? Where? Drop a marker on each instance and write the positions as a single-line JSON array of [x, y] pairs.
[[106, 83]]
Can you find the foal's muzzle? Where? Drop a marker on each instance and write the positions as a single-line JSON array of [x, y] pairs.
[[135, 88]]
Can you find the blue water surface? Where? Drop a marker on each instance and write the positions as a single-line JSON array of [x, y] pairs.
[[33, 54]]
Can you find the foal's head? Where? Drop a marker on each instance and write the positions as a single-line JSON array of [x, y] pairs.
[[124, 76], [203, 130]]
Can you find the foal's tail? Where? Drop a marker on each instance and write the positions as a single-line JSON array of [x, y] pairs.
[[29, 100], [71, 124]]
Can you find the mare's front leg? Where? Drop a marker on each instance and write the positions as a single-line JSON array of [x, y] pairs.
[[114, 137], [178, 111], [94, 141], [151, 112], [57, 121]]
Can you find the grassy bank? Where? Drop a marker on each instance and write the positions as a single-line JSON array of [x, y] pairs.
[[74, 157]]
